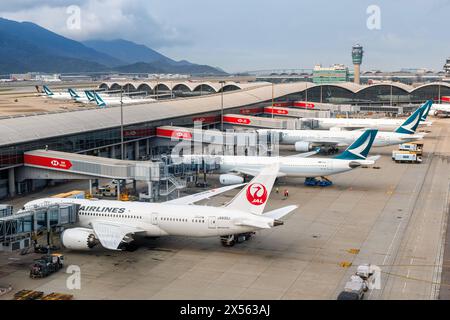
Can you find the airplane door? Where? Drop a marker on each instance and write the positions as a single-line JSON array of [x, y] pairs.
[[212, 223], [154, 218]]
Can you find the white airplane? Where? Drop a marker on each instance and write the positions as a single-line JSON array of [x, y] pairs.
[[307, 140], [56, 95], [89, 96], [112, 223], [232, 167], [355, 123], [115, 101], [440, 109]]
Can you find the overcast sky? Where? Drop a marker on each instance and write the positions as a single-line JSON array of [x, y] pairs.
[[241, 35]]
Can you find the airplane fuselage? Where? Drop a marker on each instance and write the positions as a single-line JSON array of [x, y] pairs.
[[159, 219], [344, 137], [380, 124], [290, 166]]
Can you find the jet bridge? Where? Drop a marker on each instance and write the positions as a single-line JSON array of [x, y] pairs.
[[48, 164], [17, 230]]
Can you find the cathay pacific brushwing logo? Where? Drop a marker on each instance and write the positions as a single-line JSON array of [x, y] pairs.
[[411, 127], [425, 112], [357, 151]]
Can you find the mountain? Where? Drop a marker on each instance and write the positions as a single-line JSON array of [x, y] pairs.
[[17, 56], [140, 58], [165, 67], [27, 47], [127, 51], [54, 44]]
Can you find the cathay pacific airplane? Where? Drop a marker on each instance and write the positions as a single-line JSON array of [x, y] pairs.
[[56, 95], [307, 140], [232, 167], [115, 101], [113, 223], [356, 123], [89, 97]]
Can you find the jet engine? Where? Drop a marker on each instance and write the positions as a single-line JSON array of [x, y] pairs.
[[302, 146], [229, 179], [78, 239]]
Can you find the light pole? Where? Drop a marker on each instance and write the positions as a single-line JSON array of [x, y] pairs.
[[121, 124], [273, 85], [221, 99]]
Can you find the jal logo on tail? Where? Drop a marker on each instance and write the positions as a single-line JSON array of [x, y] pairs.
[[256, 194]]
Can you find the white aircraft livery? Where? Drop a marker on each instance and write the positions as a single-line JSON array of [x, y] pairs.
[[307, 140], [355, 123], [353, 157], [113, 223]]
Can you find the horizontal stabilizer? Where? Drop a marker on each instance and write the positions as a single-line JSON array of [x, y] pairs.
[[252, 223], [280, 213]]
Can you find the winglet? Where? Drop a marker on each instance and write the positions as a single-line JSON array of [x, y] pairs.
[[253, 197], [360, 148]]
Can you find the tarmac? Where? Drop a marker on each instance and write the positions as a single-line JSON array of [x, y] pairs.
[[394, 217]]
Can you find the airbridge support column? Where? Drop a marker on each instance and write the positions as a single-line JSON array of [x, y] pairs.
[[11, 182], [113, 152], [136, 150]]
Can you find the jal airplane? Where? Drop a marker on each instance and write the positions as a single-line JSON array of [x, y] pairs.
[[354, 123], [307, 140], [115, 101], [233, 167], [113, 223]]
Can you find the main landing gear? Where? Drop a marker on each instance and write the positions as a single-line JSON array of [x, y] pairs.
[[322, 182], [232, 239]]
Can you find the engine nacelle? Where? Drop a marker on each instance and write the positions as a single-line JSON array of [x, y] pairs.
[[229, 179], [302, 146], [78, 239]]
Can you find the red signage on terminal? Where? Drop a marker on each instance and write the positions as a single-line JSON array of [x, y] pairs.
[[301, 104], [275, 111], [237, 120], [47, 162], [169, 133]]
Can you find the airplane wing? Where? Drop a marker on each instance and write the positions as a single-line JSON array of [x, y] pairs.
[[203, 195], [253, 172], [305, 154], [111, 234]]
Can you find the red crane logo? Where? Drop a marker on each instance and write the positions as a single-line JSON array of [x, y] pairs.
[[257, 194]]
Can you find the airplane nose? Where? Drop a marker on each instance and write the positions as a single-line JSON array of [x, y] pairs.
[[354, 164]]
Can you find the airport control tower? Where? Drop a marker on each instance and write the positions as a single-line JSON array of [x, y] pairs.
[[357, 55]]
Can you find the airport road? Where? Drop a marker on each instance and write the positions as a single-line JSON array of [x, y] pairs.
[[395, 216]]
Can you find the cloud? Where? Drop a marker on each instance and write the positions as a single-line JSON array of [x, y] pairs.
[[99, 19]]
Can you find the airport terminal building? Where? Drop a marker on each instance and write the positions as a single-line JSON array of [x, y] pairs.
[[97, 131]]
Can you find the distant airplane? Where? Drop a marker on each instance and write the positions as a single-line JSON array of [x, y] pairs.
[[440, 109], [232, 167], [89, 97], [56, 95], [355, 123], [307, 140], [115, 101], [113, 223]]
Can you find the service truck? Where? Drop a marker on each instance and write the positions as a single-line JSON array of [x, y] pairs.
[[412, 147], [400, 156]]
